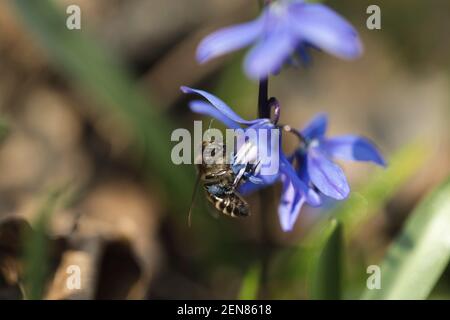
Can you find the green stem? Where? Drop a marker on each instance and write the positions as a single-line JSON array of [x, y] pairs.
[[264, 112]]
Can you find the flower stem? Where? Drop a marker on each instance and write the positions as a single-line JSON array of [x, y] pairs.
[[263, 106], [264, 196], [265, 242], [264, 111]]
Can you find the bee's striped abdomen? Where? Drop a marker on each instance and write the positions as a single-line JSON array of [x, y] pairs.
[[230, 204]]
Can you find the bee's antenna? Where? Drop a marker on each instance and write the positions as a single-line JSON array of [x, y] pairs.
[[210, 123], [194, 194]]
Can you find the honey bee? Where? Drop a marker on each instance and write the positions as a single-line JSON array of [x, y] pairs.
[[221, 178]]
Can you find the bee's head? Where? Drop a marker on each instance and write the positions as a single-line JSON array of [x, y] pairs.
[[212, 149]]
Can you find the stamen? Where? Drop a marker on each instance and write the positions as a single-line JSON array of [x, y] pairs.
[[289, 129]]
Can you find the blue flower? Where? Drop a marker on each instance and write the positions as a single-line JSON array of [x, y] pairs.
[[318, 171], [219, 110], [284, 28], [315, 176], [315, 157], [216, 108]]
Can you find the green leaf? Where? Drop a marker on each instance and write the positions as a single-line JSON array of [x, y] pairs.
[[250, 284], [36, 250], [327, 269], [419, 255], [95, 70]]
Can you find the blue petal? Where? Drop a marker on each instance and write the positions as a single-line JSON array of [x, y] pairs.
[[311, 197], [290, 205], [250, 187], [272, 51], [207, 109], [263, 181], [266, 180], [327, 176], [220, 105], [324, 28], [268, 153], [261, 124], [229, 39], [316, 128], [353, 148], [302, 170]]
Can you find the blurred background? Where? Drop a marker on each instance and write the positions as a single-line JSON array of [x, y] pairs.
[[85, 171]]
